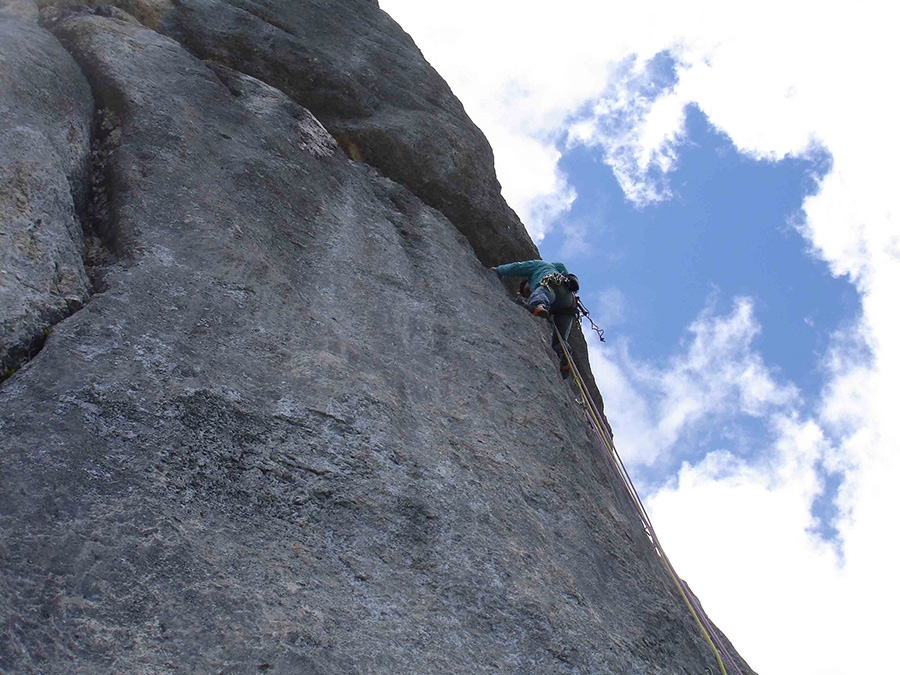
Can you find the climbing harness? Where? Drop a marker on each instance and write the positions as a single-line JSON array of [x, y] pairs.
[[554, 279], [597, 423], [567, 281]]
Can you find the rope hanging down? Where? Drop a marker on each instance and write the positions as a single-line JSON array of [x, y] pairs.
[[595, 419]]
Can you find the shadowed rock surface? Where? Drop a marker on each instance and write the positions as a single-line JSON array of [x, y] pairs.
[[294, 432], [366, 81]]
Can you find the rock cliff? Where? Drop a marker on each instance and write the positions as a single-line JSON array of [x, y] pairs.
[[270, 412]]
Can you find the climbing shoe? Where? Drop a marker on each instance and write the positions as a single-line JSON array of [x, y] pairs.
[[540, 311], [565, 368]]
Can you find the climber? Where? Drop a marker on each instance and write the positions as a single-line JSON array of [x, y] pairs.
[[548, 291]]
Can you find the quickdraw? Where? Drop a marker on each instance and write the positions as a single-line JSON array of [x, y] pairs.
[[579, 310], [587, 315]]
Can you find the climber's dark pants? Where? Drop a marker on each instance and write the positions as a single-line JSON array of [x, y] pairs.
[[563, 325], [556, 298]]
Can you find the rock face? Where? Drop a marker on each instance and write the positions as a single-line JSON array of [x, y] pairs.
[[377, 96], [299, 428], [45, 131]]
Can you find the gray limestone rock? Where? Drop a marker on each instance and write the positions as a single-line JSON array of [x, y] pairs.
[[45, 121], [302, 429], [365, 79]]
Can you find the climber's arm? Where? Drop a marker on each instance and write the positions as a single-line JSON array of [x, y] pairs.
[[523, 268]]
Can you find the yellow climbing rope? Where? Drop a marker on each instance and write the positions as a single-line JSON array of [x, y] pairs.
[[602, 431]]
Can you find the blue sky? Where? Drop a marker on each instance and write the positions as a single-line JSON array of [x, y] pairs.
[[728, 229], [721, 177]]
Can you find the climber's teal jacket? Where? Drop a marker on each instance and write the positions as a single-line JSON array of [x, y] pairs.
[[535, 270]]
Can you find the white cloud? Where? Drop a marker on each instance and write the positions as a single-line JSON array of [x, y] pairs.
[[743, 537], [718, 374], [741, 530], [733, 507], [521, 70], [638, 127], [778, 78]]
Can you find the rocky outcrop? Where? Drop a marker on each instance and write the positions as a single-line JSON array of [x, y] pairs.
[[301, 429], [45, 129], [366, 81]]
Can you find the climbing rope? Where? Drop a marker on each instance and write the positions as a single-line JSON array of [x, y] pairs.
[[595, 419]]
